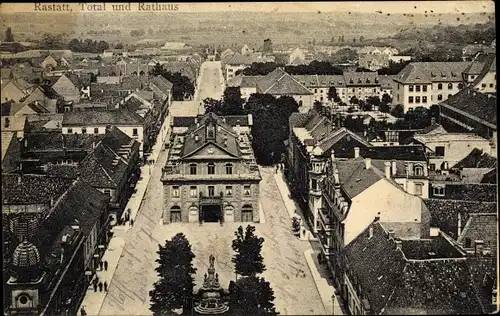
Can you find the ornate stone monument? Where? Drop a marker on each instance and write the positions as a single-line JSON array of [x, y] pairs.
[[211, 297]]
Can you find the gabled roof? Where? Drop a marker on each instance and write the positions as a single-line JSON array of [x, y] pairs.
[[31, 189], [354, 178], [427, 72], [81, 205], [481, 106], [481, 226], [7, 139], [483, 192], [57, 141], [287, 85], [162, 84], [393, 284], [103, 168], [477, 159], [226, 132], [121, 116], [444, 213], [13, 123]]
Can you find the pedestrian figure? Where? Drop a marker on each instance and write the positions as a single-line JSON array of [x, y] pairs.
[[100, 286], [95, 287], [132, 222], [83, 312], [100, 265], [105, 286], [106, 265]]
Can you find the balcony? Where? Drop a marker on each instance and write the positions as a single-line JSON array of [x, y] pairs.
[[325, 221], [325, 248]]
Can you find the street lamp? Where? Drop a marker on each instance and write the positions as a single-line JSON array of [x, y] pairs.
[[333, 304]]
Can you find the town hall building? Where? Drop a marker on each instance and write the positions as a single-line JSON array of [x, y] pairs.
[[211, 174]]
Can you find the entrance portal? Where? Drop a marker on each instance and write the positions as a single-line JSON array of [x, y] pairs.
[[211, 213]]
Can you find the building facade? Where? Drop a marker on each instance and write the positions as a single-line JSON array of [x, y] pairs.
[[211, 175]]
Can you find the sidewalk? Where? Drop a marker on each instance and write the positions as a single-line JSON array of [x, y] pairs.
[[291, 206], [92, 301], [326, 291], [135, 200]]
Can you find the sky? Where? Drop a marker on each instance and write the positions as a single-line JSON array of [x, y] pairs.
[[447, 6]]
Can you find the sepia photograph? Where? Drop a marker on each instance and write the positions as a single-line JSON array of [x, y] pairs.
[[249, 158]]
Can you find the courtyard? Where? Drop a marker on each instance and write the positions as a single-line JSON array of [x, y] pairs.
[[283, 253]]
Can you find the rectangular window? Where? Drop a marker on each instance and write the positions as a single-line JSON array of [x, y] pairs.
[[418, 188], [175, 191], [410, 99], [84, 130], [193, 191], [211, 191], [491, 85], [96, 130], [229, 190], [439, 151], [424, 99], [432, 167], [70, 131], [192, 169], [424, 88], [134, 132], [246, 190], [417, 99], [397, 97], [211, 168], [483, 85], [107, 192], [229, 169], [417, 88], [314, 184], [410, 88], [438, 191]]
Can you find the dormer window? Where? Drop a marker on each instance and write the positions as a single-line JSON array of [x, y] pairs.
[[351, 81], [367, 80], [418, 170], [359, 80], [438, 191]]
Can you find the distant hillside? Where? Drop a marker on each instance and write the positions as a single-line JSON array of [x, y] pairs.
[[226, 27]]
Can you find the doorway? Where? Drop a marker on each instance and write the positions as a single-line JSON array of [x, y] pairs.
[[211, 213]]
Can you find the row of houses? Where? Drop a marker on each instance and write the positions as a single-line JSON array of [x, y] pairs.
[[57, 207], [434, 219]]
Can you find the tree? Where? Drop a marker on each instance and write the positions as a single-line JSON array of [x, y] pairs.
[[332, 94], [233, 102], [361, 38], [8, 35], [119, 46], [354, 100], [251, 296], [270, 114], [248, 261], [374, 101], [74, 45], [318, 106], [174, 289], [398, 110], [354, 40], [386, 98], [182, 87]]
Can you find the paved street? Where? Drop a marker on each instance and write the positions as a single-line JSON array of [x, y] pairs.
[[210, 84], [288, 273]]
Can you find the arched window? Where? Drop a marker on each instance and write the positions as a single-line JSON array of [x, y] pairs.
[[211, 168], [229, 168], [450, 86], [418, 170], [438, 191], [440, 97], [440, 86]]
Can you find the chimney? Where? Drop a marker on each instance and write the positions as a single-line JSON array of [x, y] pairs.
[[51, 201], [398, 244], [459, 224], [196, 138], [387, 165], [433, 120], [478, 247], [368, 163], [19, 180], [370, 232], [93, 145], [391, 234], [332, 155], [356, 152], [394, 168], [225, 142], [336, 177], [376, 219]]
